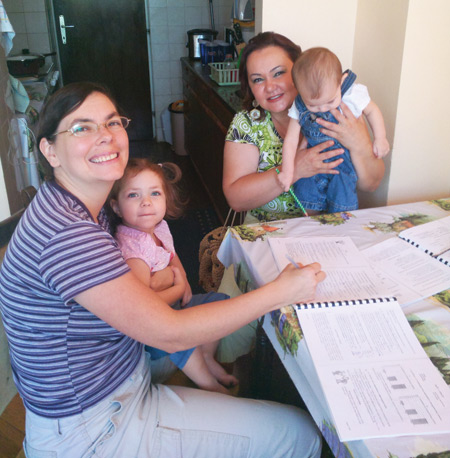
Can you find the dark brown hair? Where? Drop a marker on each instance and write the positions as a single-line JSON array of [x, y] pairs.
[[261, 41], [313, 68], [169, 174], [63, 102]]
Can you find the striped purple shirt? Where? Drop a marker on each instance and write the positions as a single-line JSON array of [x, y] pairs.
[[64, 358]]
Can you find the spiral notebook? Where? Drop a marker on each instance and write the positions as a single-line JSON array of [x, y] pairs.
[[433, 238], [376, 378], [349, 273]]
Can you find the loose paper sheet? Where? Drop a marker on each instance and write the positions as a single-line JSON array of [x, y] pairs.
[[349, 274], [408, 273], [433, 236]]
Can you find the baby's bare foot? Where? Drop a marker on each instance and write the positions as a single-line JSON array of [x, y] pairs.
[[228, 380], [220, 373]]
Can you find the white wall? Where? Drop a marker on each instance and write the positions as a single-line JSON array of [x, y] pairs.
[[399, 49], [421, 160], [377, 60], [328, 23]]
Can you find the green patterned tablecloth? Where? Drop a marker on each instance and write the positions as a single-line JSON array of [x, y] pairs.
[[247, 248]]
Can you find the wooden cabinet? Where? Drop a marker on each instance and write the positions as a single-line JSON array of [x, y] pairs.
[[207, 115]]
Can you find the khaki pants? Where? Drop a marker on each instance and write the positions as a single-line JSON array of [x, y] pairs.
[[142, 420]]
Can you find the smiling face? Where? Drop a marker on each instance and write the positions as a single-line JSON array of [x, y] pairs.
[[270, 80], [141, 201], [84, 163]]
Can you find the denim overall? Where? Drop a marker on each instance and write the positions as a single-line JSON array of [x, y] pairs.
[[324, 192]]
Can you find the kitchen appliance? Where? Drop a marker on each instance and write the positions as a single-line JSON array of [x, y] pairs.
[[242, 10], [194, 36], [26, 64], [212, 50]]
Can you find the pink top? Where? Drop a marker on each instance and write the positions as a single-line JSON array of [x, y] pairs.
[[138, 244]]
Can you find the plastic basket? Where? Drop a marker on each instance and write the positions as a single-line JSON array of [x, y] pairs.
[[225, 73]]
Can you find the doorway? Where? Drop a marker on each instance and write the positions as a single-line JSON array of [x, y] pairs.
[[106, 42]]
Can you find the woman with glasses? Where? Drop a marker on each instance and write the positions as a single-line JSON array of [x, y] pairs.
[[77, 319]]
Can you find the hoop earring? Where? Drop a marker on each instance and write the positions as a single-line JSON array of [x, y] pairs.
[[255, 113]]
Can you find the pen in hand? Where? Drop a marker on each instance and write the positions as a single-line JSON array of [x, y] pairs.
[[292, 261]]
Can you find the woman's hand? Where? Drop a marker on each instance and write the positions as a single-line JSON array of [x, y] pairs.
[[353, 134], [310, 161], [298, 285], [350, 131], [162, 279]]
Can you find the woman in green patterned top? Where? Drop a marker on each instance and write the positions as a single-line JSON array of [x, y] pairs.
[[255, 137]]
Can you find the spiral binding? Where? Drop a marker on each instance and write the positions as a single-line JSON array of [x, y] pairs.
[[439, 258], [344, 303]]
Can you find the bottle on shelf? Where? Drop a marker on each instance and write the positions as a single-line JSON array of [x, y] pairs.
[[228, 61]]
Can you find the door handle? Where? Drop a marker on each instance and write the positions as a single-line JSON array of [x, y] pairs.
[[62, 28]]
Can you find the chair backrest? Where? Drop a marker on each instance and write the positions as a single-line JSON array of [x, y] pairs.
[[27, 195]]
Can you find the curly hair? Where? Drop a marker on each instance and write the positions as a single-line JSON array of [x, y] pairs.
[[170, 176]]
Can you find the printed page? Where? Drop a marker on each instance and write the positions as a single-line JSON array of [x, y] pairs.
[[434, 237], [349, 275], [377, 379], [445, 257], [412, 274]]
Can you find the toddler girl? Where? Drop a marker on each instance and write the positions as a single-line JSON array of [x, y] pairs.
[[141, 199]]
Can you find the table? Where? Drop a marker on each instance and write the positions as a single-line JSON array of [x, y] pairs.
[[247, 248]]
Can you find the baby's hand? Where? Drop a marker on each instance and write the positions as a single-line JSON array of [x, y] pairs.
[[380, 147], [285, 180]]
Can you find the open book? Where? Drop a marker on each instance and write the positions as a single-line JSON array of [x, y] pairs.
[[433, 238], [389, 268], [376, 377], [407, 270], [349, 274]]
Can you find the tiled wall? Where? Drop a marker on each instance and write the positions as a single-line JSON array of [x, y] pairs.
[[5, 116], [29, 20], [7, 387], [169, 22], [9, 197]]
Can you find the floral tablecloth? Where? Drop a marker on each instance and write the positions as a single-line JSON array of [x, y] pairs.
[[247, 248]]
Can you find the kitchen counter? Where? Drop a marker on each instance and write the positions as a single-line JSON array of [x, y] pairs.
[[229, 94], [209, 110]]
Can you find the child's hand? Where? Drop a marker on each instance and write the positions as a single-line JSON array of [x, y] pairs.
[[162, 279], [178, 277], [380, 147], [181, 281], [187, 296], [285, 180]]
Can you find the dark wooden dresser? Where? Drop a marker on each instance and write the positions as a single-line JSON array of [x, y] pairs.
[[209, 109]]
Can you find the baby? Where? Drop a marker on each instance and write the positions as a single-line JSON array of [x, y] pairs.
[[318, 77]]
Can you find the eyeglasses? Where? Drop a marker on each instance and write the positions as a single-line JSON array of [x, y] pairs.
[[84, 129]]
